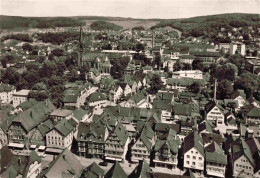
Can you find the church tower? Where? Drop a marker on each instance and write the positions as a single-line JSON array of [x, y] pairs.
[[81, 47]]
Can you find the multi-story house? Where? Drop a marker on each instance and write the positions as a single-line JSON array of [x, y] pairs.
[[240, 97], [165, 108], [75, 96], [97, 99], [91, 139], [26, 166], [60, 114], [144, 144], [193, 151], [25, 123], [127, 90], [6, 93], [166, 150], [214, 112], [242, 159], [20, 97], [116, 93], [139, 100], [65, 164], [61, 136], [216, 160], [38, 136], [116, 144], [237, 48]]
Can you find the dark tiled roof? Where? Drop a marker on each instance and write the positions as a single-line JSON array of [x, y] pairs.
[[116, 171], [141, 169], [65, 164]]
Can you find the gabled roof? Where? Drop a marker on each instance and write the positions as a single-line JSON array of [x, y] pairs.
[[169, 143], [121, 133], [116, 171], [22, 163], [147, 135], [237, 93], [66, 164], [215, 154], [255, 112], [97, 96], [193, 140], [64, 128], [182, 109], [240, 148], [205, 126], [93, 171], [140, 170], [35, 115]]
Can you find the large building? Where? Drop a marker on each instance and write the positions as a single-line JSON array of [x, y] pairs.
[[237, 48]]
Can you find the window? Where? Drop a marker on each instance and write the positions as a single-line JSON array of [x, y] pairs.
[[194, 157], [193, 163], [200, 158], [187, 162], [188, 156]]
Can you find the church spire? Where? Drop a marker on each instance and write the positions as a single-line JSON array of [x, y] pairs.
[[81, 37]]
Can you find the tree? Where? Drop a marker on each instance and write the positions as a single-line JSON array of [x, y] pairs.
[[10, 76], [27, 47], [221, 72], [139, 47], [194, 88], [7, 59], [248, 82], [57, 52], [157, 61], [156, 84], [197, 64], [224, 89], [177, 66]]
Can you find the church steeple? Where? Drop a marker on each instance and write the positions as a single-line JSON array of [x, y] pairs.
[[81, 47], [81, 37]]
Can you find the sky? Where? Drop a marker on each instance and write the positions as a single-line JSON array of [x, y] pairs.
[[164, 9]]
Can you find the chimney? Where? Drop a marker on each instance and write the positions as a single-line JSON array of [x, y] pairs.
[[215, 91]]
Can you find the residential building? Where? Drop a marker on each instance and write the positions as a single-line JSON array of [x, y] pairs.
[[116, 144], [97, 100], [65, 164], [237, 48], [214, 112], [93, 171], [27, 166], [193, 152], [91, 139], [61, 136], [166, 150], [216, 160], [242, 159], [141, 169], [20, 97], [25, 123], [6, 93], [116, 171], [143, 146]]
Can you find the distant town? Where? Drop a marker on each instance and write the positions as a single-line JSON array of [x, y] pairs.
[[103, 101]]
